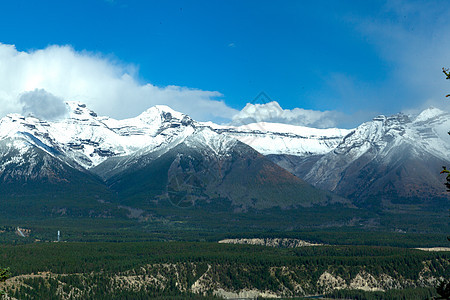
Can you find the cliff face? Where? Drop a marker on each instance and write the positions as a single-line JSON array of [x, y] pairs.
[[230, 281], [390, 158], [271, 242]]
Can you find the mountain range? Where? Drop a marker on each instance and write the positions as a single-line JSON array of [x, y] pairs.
[[387, 161], [161, 156], [87, 164]]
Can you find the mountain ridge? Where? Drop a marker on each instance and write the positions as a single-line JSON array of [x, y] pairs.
[[161, 153], [199, 161]]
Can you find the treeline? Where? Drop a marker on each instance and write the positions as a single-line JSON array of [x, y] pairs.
[[119, 257], [169, 269]]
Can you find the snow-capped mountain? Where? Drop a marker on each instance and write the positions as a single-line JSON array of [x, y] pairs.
[[156, 154], [212, 170], [390, 159], [162, 151], [89, 139], [36, 179], [274, 138]]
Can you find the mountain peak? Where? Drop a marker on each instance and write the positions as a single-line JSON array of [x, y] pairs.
[[78, 109], [428, 114], [379, 118], [160, 111]]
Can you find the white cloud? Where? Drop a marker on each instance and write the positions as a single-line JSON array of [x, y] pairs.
[[107, 87], [43, 105], [272, 112]]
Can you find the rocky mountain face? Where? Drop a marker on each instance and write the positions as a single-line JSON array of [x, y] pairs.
[[273, 138], [161, 155], [37, 180], [388, 161], [394, 160]]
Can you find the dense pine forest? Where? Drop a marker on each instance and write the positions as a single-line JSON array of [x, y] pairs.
[[146, 270]]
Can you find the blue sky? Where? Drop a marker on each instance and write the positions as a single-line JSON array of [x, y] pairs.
[[356, 58]]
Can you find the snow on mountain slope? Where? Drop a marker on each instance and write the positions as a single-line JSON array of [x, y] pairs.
[[22, 160], [274, 138], [20, 137], [101, 137], [391, 155], [431, 127], [208, 169], [84, 140], [397, 155], [89, 139], [428, 132]]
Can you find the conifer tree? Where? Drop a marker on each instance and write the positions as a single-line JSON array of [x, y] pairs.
[[444, 289], [445, 171], [4, 274]]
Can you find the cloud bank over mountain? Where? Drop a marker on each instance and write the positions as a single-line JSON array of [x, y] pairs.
[[43, 105], [272, 112], [38, 82], [107, 86]]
